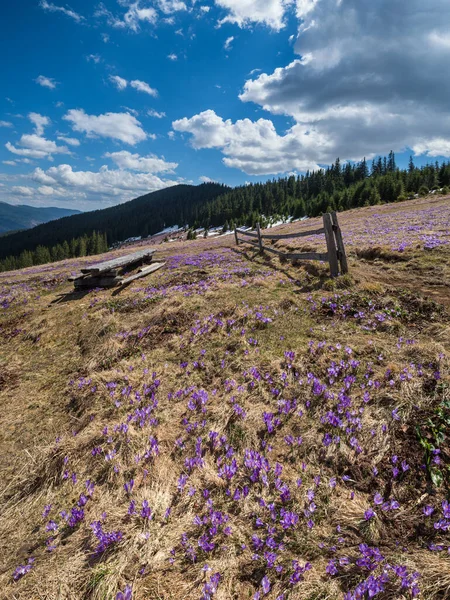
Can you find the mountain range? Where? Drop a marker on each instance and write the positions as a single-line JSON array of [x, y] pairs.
[[14, 218]]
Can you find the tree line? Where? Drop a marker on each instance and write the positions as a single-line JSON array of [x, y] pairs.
[[339, 187], [86, 245]]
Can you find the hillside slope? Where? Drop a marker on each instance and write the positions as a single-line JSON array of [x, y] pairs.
[[233, 427], [13, 218], [140, 217]]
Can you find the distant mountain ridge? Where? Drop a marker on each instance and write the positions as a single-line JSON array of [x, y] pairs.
[[14, 218], [142, 216]]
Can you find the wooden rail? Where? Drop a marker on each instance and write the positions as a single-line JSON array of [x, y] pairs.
[[335, 254]]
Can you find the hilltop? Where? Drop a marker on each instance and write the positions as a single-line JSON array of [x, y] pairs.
[[13, 218], [233, 426]]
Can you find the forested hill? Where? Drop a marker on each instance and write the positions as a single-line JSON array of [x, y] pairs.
[[13, 218], [143, 216], [339, 187]]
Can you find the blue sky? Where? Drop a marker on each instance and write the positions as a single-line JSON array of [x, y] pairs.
[[102, 102]]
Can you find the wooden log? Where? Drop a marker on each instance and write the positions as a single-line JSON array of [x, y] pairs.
[[258, 231], [236, 236], [339, 243], [331, 245], [288, 236], [143, 273], [117, 263]]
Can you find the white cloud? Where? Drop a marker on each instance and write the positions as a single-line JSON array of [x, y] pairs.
[[254, 147], [105, 185], [69, 140], [95, 58], [154, 113], [21, 190], [205, 179], [228, 42], [47, 82], [119, 82], [172, 56], [118, 126], [171, 6], [5, 124], [246, 12], [369, 78], [131, 19], [145, 164], [36, 146], [433, 147], [10, 163], [141, 86], [205, 8], [67, 11], [39, 121]]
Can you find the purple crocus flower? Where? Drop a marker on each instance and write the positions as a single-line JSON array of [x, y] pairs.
[[265, 584], [127, 594]]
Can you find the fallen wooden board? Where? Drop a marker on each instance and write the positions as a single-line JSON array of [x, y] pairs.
[[117, 263], [143, 273]]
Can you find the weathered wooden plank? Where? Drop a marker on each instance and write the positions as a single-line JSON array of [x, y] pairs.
[[249, 242], [299, 255], [287, 236], [331, 245], [117, 263], [249, 233], [143, 273], [339, 243]]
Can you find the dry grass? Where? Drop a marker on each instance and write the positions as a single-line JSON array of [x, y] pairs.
[[224, 317]]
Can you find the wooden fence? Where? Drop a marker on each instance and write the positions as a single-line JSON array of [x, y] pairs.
[[335, 254]]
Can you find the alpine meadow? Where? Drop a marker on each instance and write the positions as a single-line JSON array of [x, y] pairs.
[[224, 351]]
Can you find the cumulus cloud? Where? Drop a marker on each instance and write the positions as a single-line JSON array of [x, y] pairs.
[[254, 147], [66, 11], [105, 185], [69, 140], [154, 113], [246, 12], [170, 6], [368, 79], [119, 82], [21, 190], [118, 126], [5, 124], [369, 76], [131, 19], [141, 86], [47, 82], [40, 122], [36, 146], [145, 164], [205, 179], [172, 56], [10, 163]]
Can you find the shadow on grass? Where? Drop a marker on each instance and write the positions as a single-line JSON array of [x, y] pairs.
[[318, 279], [70, 296]]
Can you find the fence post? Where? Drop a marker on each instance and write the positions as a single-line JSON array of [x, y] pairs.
[[339, 243], [235, 235], [331, 245], [258, 229]]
